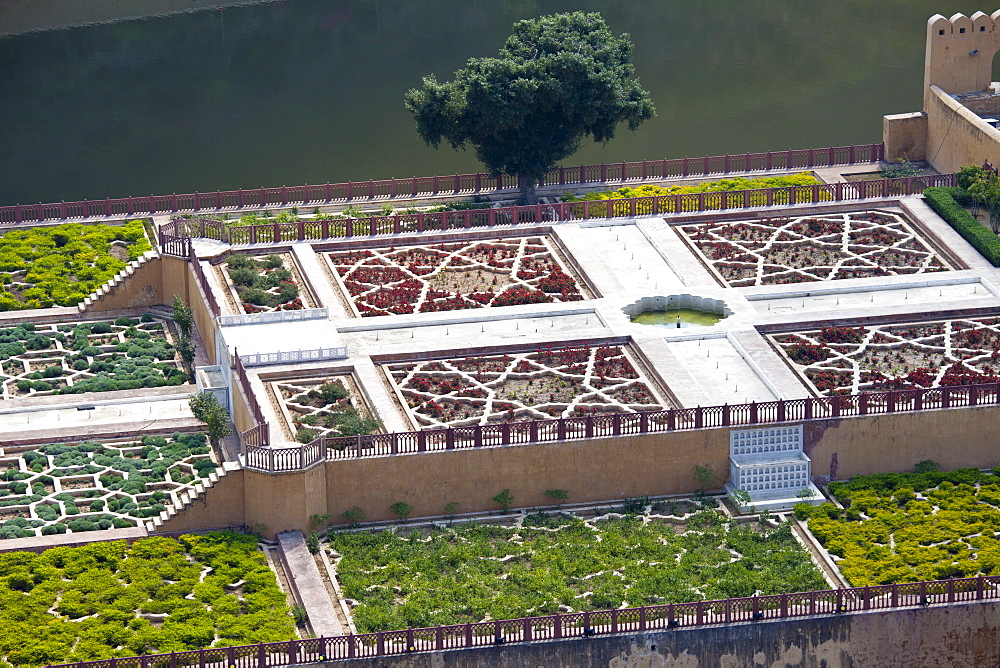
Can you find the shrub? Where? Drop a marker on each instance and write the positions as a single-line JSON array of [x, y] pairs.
[[943, 201]]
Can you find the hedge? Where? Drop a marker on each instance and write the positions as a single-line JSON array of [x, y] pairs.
[[947, 203]]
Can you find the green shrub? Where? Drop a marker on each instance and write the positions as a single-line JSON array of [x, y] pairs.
[[943, 201]]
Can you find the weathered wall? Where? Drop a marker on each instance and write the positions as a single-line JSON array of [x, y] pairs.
[[957, 635], [144, 288], [959, 52], [905, 136], [954, 438], [594, 470], [956, 136], [285, 502], [223, 504]]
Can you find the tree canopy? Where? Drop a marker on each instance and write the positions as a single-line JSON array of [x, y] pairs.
[[557, 80]]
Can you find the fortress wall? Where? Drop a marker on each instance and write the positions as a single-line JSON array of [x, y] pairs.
[[954, 635], [956, 136], [219, 506], [959, 52], [144, 288]]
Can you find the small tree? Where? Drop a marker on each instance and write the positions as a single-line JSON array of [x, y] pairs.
[[504, 499], [183, 315], [557, 80], [558, 495], [354, 516], [705, 477], [206, 408], [806, 493], [450, 509], [403, 509], [185, 346]]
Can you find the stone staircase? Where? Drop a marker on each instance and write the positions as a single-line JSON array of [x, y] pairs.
[[113, 283], [186, 497]]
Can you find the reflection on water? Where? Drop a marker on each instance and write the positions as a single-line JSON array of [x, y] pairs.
[[309, 91], [677, 318]]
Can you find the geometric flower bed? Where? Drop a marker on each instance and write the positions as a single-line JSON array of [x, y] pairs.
[[912, 526], [126, 354], [89, 486], [452, 276], [541, 384], [156, 596], [857, 244], [263, 283], [63, 264], [846, 360], [473, 573], [324, 407]]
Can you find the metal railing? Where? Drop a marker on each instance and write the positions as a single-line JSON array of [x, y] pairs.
[[456, 184], [573, 625], [274, 316], [306, 230], [650, 422]]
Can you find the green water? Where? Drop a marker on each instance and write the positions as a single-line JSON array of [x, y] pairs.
[[689, 318]]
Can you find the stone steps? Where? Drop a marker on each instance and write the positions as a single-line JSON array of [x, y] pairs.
[[113, 283], [185, 498]]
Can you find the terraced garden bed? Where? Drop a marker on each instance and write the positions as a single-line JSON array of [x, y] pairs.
[[158, 595], [857, 244], [46, 266], [911, 527], [326, 406], [60, 488], [73, 358], [454, 276], [264, 283], [544, 565], [541, 384], [847, 360]]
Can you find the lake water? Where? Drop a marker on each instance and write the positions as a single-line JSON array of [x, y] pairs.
[[309, 91]]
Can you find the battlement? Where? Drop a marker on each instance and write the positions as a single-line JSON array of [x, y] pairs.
[[960, 50]]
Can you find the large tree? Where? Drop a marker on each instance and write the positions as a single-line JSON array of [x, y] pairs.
[[557, 80]]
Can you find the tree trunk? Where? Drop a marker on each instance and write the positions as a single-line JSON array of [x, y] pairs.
[[527, 195]]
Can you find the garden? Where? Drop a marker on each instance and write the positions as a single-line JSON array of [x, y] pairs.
[[857, 244], [330, 406], [61, 265], [533, 385], [60, 488], [452, 276], [72, 358], [875, 358], [158, 595], [547, 564], [909, 527], [264, 283]]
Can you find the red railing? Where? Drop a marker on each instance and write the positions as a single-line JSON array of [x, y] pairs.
[[572, 625], [629, 424], [457, 184], [549, 213], [199, 274], [260, 434]]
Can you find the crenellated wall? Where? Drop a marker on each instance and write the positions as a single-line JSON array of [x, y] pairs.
[[959, 52]]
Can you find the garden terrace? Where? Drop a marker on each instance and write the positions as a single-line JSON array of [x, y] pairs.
[[875, 358], [544, 565], [454, 276], [102, 356], [857, 244], [60, 488], [540, 384], [62, 265], [327, 406], [911, 526], [158, 595], [263, 283]]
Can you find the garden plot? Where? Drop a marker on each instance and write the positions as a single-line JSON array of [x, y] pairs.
[[545, 565], [263, 283], [874, 358], [159, 595], [858, 244], [88, 486], [912, 526], [61, 265], [126, 354], [328, 406], [541, 384], [453, 276]]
